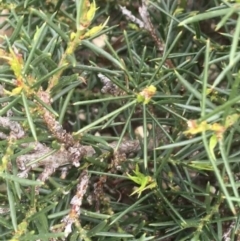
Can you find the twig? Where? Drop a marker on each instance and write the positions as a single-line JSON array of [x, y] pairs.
[[146, 24], [76, 203], [227, 233]]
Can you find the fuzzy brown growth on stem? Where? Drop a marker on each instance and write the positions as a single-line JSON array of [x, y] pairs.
[[75, 151], [16, 130], [76, 203], [54, 126], [109, 87], [143, 11], [146, 24]]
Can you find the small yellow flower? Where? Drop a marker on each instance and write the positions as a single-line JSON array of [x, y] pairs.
[[146, 94]]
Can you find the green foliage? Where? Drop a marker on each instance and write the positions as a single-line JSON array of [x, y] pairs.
[[145, 182], [184, 97]]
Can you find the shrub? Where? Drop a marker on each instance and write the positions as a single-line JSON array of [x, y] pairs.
[[119, 120]]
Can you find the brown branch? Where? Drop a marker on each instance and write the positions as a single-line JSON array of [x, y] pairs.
[[76, 203], [146, 24]]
